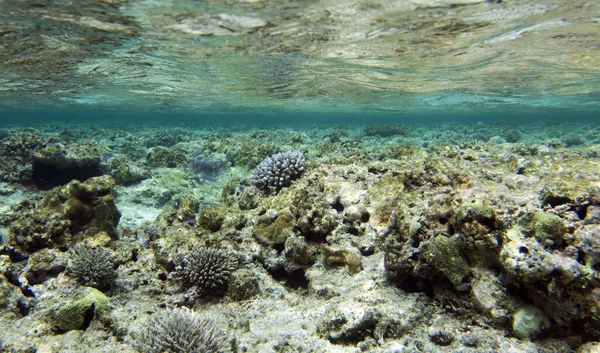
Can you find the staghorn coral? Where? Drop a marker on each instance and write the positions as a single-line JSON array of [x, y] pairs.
[[180, 330], [278, 170], [207, 269], [92, 266]]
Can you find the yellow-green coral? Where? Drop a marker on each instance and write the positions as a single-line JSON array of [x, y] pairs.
[[73, 316], [187, 209]]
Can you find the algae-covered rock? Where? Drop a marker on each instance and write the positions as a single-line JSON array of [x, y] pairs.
[[78, 314], [123, 170], [547, 228], [186, 210], [560, 192], [31, 228], [249, 152], [525, 258], [12, 299], [44, 264], [22, 145], [65, 215], [232, 191], [167, 138], [299, 252], [69, 156], [315, 216], [58, 164], [96, 194], [275, 228], [212, 218], [173, 157], [15, 156], [243, 285], [348, 258], [444, 254], [478, 231], [250, 198], [474, 218]]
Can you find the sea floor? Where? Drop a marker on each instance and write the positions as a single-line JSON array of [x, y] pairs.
[[453, 237]]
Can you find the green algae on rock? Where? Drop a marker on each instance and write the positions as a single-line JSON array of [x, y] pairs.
[[547, 228], [445, 255], [474, 218], [186, 210], [163, 157], [78, 314]]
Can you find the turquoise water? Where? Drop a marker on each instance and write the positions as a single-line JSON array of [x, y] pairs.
[[579, 112]]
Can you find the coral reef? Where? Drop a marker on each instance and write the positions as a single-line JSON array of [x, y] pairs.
[[162, 157], [121, 169], [16, 151], [57, 164], [385, 130], [212, 218], [439, 242], [166, 138], [206, 167]]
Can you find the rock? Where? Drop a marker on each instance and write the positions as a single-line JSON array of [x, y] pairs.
[[529, 321], [275, 227]]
